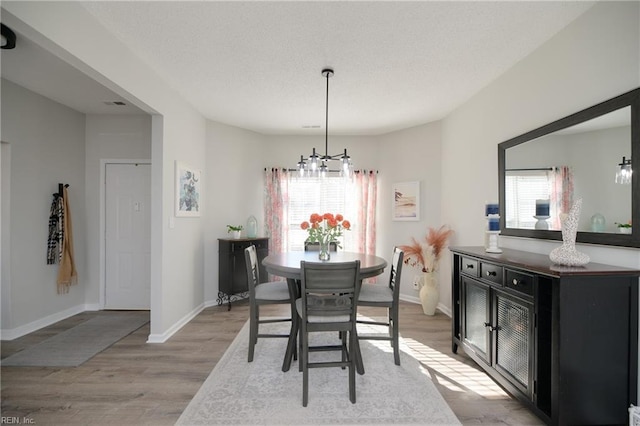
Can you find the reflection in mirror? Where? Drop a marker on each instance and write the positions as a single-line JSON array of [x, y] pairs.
[[577, 162], [543, 172]]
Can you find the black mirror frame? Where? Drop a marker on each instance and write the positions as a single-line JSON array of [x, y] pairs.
[[632, 99]]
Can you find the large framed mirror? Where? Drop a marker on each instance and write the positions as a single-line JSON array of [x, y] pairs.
[[588, 155]]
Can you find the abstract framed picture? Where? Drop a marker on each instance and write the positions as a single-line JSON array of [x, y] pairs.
[[406, 201], [188, 190]]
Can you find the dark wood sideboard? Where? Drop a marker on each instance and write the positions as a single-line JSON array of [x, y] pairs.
[[563, 340], [232, 270]]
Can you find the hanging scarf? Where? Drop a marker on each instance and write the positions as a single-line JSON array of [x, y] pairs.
[[67, 274], [56, 222]]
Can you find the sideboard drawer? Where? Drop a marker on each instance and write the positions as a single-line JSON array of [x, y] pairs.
[[469, 266], [519, 282], [491, 272], [260, 244]]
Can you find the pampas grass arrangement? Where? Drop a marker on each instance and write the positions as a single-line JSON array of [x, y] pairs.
[[426, 254]]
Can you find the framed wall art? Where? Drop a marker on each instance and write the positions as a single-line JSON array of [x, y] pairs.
[[406, 201], [188, 190]]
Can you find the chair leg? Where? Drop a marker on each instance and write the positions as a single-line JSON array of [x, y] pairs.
[[355, 350], [305, 366], [343, 347], [353, 342], [395, 337], [253, 330], [300, 348], [291, 344]]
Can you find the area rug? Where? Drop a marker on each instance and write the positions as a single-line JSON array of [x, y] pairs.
[[259, 393], [77, 345]]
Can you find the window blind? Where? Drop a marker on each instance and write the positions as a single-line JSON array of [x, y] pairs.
[[332, 194], [522, 189]]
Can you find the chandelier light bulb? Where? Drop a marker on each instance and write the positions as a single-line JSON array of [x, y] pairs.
[[323, 170], [313, 161], [624, 172]]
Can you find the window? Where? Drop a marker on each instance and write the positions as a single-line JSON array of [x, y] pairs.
[[331, 194], [522, 189], [290, 200]]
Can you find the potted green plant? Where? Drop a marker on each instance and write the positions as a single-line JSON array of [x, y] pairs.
[[624, 228], [236, 230]]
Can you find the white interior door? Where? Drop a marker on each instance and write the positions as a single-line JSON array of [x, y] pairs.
[[128, 236]]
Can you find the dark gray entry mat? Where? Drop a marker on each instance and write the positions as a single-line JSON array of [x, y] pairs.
[[77, 345]]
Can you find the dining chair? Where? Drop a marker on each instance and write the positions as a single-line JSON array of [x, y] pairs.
[[267, 293], [328, 302], [315, 246], [385, 296]]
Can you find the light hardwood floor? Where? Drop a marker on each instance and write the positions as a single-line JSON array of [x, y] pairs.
[[134, 383]]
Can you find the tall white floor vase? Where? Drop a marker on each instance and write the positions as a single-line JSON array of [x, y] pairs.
[[429, 293]]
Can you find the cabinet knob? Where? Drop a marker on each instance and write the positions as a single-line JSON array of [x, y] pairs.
[[516, 281], [486, 324], [470, 266], [491, 273]]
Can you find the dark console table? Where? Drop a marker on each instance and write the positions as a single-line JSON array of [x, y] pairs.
[[232, 271], [563, 340]]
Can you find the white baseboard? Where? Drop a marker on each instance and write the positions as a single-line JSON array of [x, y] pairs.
[[445, 310], [411, 299], [210, 303], [14, 333], [161, 338]]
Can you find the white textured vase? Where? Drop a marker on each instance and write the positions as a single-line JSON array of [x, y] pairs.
[[567, 254], [429, 293]]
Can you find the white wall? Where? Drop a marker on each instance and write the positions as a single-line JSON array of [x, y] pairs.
[[5, 236], [411, 155], [595, 156], [107, 137], [234, 188], [47, 148], [593, 59], [183, 245], [5, 232]]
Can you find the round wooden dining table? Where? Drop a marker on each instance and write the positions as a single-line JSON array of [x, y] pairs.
[[287, 265]]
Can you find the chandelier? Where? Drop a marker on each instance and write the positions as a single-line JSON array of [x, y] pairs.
[[318, 164], [623, 175]]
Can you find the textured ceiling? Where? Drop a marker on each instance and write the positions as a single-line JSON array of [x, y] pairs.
[[257, 65], [31, 66]]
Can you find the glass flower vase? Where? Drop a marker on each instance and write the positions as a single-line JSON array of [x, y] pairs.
[[324, 251]]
